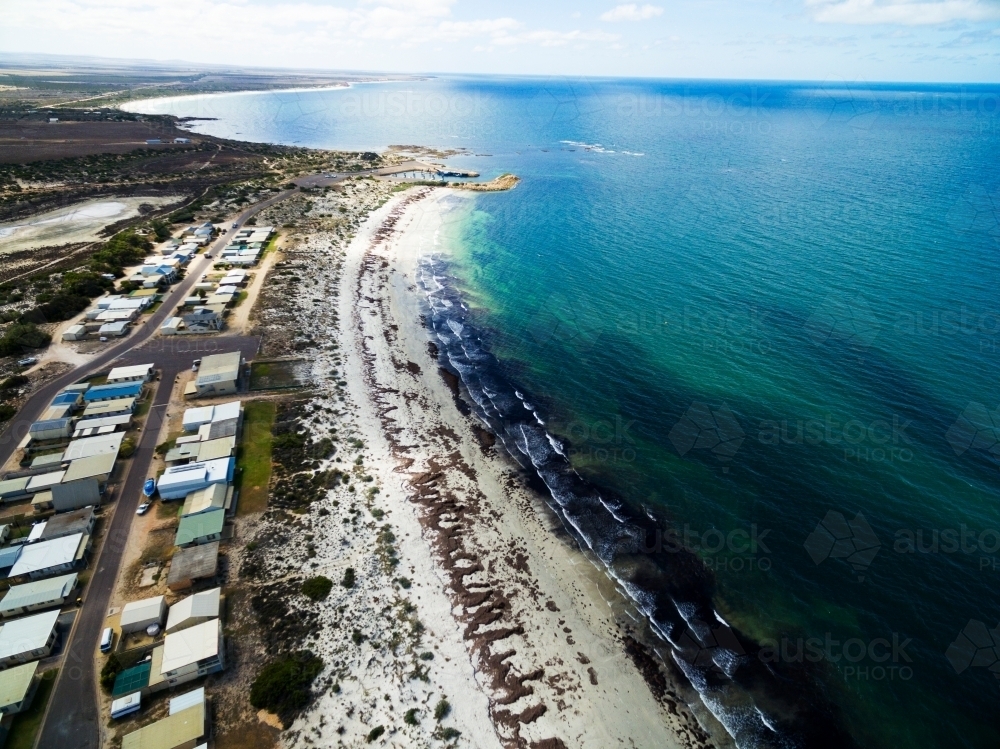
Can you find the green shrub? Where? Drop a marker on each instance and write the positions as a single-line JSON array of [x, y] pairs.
[[6, 411], [375, 733], [317, 588], [348, 581], [22, 336], [283, 685], [127, 449], [449, 733], [441, 710], [411, 717], [110, 672], [14, 381]]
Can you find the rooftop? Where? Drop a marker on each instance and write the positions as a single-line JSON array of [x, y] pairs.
[[179, 729], [15, 683], [202, 525], [203, 605], [189, 646], [44, 555], [68, 523], [104, 408], [86, 447], [128, 373], [194, 563], [219, 368], [115, 390], [96, 465], [38, 592], [28, 633], [137, 612]]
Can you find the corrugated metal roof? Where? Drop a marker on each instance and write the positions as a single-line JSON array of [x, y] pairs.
[[113, 391], [44, 555], [146, 610], [29, 633], [95, 465], [184, 701], [195, 563], [204, 524], [15, 683], [38, 592], [204, 605], [9, 555], [190, 645], [169, 733], [86, 447]]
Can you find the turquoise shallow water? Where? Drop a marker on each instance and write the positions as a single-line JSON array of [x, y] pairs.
[[766, 316]]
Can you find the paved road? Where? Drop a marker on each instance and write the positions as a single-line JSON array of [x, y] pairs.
[[73, 717], [18, 426]]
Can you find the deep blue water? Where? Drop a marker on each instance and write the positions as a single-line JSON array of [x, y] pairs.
[[761, 321]]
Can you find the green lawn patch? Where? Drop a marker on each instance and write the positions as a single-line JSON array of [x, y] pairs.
[[253, 457], [25, 727], [275, 375]]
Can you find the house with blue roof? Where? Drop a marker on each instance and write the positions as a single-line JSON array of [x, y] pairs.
[[113, 392], [67, 399]]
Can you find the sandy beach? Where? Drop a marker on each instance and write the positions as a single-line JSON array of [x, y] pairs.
[[467, 588]]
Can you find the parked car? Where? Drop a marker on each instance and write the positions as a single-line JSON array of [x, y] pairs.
[[107, 638], [104, 339], [27, 362], [143, 508], [236, 225]]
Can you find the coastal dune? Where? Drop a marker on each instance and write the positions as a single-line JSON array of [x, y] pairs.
[[531, 633]]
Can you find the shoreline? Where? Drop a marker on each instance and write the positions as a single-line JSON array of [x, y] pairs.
[[125, 106], [537, 630]]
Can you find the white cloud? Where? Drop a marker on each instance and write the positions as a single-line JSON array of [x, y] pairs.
[[632, 12], [903, 12]]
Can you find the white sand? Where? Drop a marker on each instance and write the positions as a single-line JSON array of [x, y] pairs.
[[80, 222], [527, 646]]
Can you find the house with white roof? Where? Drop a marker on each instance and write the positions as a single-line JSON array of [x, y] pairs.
[[179, 481], [193, 610], [28, 639], [48, 558]]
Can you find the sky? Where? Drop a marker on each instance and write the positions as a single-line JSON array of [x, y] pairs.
[[867, 40]]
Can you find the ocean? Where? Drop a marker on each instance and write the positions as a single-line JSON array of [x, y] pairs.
[[747, 335]]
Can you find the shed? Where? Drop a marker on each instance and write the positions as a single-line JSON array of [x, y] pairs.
[[28, 639], [38, 595], [195, 417], [51, 429], [72, 495], [17, 688], [43, 481], [117, 329], [133, 373], [138, 615], [171, 326], [183, 730], [12, 489], [96, 466], [219, 374], [195, 609], [192, 564], [182, 702], [69, 523], [48, 558], [201, 528], [52, 459], [74, 333]]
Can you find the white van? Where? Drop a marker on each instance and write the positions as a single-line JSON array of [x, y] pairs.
[[107, 638]]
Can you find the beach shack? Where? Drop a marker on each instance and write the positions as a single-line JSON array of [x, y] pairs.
[[138, 615], [48, 558], [179, 481], [183, 730], [201, 528], [192, 565], [195, 609]]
